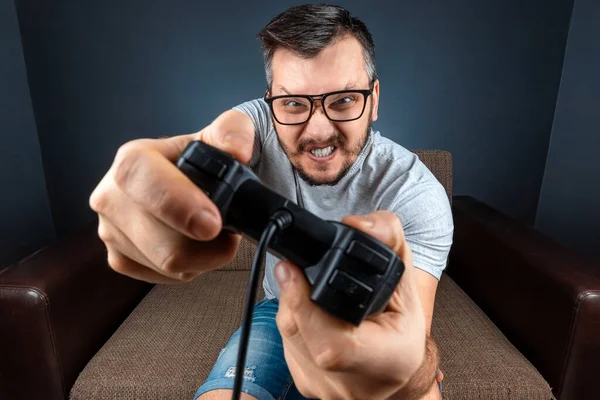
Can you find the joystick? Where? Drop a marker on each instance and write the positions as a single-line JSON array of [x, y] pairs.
[[352, 274]]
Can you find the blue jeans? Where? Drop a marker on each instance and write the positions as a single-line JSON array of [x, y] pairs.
[[266, 375]]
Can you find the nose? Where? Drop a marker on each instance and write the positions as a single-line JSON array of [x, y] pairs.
[[318, 125]]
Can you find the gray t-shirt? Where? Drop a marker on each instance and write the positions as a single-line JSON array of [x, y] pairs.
[[385, 176]]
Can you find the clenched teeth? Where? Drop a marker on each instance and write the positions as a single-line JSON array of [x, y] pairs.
[[322, 152]]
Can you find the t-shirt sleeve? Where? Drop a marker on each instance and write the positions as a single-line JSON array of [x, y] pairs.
[[426, 218], [258, 110]]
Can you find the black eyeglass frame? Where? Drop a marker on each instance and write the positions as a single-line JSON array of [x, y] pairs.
[[321, 97]]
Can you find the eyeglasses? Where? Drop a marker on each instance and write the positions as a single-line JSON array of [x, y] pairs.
[[338, 106]]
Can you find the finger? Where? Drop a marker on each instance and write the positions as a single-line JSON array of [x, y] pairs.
[[328, 339], [170, 147], [239, 143], [384, 226], [118, 241], [113, 236], [305, 374], [172, 253], [145, 177], [387, 228], [126, 266], [318, 341], [162, 248]]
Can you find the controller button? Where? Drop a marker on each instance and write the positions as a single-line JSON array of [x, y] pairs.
[[365, 254], [358, 291], [213, 167]]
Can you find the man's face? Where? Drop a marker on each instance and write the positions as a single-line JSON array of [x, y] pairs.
[[308, 146]]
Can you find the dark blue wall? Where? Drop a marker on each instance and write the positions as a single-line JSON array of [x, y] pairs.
[[570, 198], [478, 78], [25, 219]]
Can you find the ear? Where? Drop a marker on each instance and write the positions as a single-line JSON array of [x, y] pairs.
[[375, 95]]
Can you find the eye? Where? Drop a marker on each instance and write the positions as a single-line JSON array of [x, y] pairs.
[[345, 100], [292, 103]]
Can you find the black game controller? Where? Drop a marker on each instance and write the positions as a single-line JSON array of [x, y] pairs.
[[352, 274]]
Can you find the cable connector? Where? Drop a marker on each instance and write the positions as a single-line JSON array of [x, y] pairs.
[[282, 218]]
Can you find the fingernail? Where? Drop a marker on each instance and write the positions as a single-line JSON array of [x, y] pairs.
[[282, 273], [203, 223]]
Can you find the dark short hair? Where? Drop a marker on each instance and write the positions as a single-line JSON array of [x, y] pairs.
[[308, 29]]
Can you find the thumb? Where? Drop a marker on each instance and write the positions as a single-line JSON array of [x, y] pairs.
[[295, 298], [293, 287], [387, 228], [328, 340], [169, 147], [233, 133]]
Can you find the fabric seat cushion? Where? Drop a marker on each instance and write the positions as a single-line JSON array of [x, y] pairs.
[[477, 360], [167, 346]]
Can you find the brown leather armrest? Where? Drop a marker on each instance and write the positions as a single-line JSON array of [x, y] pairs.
[[543, 296], [57, 308]]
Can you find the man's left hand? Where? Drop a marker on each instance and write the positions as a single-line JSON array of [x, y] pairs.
[[332, 359]]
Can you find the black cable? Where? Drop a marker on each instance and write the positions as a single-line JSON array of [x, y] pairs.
[[280, 220]]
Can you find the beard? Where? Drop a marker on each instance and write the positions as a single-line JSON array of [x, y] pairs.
[[339, 141]]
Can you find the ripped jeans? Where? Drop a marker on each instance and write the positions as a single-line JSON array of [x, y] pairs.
[[266, 375]]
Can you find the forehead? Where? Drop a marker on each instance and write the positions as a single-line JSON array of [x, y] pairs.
[[336, 67]]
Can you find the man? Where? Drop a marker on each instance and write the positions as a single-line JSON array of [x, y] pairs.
[[310, 139]]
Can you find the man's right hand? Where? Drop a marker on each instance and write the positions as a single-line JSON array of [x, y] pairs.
[[157, 225]]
